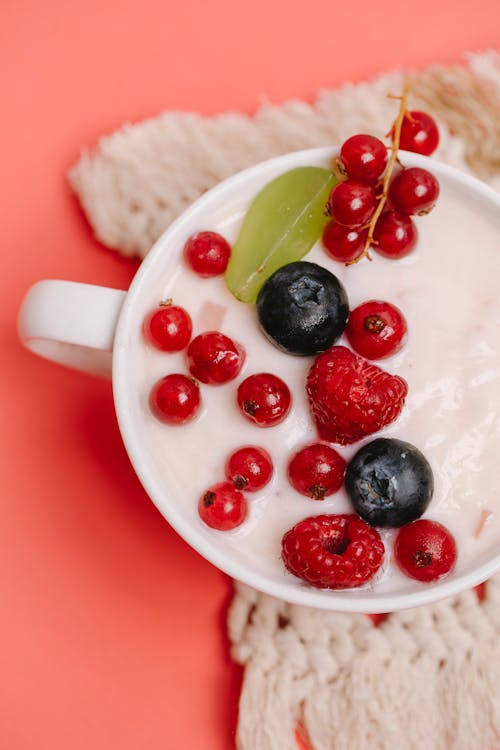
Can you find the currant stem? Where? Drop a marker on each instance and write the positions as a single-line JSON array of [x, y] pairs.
[[393, 159]]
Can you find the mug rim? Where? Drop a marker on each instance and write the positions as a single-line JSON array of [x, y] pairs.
[[339, 601]]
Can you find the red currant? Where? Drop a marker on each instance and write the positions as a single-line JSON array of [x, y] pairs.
[[214, 358], [395, 235], [207, 253], [425, 550], [352, 203], [264, 399], [169, 327], [175, 399], [364, 157], [223, 507], [343, 243], [414, 191], [317, 471], [419, 133], [249, 468], [376, 329]]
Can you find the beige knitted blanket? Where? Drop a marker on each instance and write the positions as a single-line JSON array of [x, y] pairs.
[[423, 679]]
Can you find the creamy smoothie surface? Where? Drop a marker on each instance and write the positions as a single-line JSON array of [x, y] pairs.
[[448, 291]]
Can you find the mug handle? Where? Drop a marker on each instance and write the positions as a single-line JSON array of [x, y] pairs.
[[71, 323]]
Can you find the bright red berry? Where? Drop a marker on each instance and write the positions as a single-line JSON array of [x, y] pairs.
[[223, 507], [351, 398], [175, 399], [352, 203], [207, 253], [419, 133], [343, 243], [395, 235], [414, 191], [376, 329], [214, 358], [264, 399], [317, 471], [364, 157], [425, 550], [333, 552], [249, 468], [169, 327]]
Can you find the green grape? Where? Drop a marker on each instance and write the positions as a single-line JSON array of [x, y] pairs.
[[283, 222]]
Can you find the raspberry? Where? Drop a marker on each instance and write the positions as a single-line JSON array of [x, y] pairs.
[[350, 397], [425, 550], [333, 552], [223, 507], [317, 471], [214, 358]]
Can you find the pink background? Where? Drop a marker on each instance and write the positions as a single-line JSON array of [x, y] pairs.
[[111, 634]]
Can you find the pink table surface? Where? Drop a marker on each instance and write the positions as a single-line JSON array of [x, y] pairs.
[[112, 628]]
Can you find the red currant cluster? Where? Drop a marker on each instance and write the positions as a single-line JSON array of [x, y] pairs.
[[369, 209]]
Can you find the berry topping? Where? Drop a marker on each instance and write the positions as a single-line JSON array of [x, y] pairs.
[[414, 191], [363, 157], [250, 468], [350, 397], [302, 308], [333, 552], [214, 358], [175, 399], [352, 203], [425, 550], [376, 329], [390, 482], [419, 133], [343, 243], [264, 399], [317, 471], [168, 328], [222, 506], [207, 253], [395, 235]]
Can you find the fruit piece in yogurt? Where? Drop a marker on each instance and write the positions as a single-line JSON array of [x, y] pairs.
[[376, 329], [414, 191], [351, 398], [425, 550], [169, 327], [175, 399], [390, 482], [264, 399], [214, 358], [249, 468], [333, 551], [316, 471], [284, 221], [223, 507], [302, 308], [207, 253]]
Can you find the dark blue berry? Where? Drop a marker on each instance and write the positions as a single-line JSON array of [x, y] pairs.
[[390, 482], [303, 308]]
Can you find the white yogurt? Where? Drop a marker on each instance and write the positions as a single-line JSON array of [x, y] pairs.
[[448, 289]]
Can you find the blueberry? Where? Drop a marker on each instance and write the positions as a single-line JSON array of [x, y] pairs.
[[302, 308], [390, 482]]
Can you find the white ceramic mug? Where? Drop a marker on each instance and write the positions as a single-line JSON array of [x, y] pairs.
[[98, 330]]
